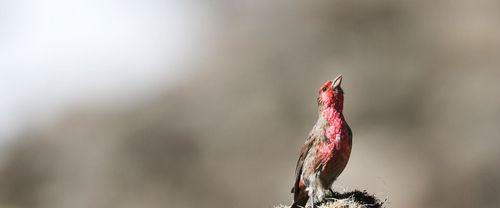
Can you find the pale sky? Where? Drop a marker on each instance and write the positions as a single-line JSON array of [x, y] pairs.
[[59, 52]]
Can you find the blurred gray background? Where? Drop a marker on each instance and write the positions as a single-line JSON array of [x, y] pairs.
[[206, 103]]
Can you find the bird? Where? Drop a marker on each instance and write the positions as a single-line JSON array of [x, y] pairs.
[[326, 150]]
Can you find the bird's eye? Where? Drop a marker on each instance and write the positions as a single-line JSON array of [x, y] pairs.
[[324, 89]]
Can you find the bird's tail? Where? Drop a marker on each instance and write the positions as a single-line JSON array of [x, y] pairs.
[[299, 203], [295, 205]]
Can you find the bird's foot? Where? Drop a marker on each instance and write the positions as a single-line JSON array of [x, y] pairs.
[[331, 191], [312, 206]]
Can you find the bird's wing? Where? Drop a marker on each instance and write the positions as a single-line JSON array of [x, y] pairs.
[[349, 132], [298, 170]]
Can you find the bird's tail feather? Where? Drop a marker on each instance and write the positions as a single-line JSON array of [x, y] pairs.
[[299, 203]]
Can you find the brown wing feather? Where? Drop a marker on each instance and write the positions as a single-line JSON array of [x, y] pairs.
[[298, 170]]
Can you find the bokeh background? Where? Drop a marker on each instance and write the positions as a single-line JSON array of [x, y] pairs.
[[108, 103]]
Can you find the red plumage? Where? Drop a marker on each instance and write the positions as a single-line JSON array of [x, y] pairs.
[[326, 150]]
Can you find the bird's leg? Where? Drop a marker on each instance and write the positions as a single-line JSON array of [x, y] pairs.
[[309, 189], [330, 194], [311, 192], [313, 203], [316, 191], [310, 202]]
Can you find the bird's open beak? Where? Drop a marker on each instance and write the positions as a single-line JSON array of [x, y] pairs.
[[336, 82]]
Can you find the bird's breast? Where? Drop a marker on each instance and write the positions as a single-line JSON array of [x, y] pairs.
[[336, 160]]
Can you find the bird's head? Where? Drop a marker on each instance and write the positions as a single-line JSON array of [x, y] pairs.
[[331, 95]]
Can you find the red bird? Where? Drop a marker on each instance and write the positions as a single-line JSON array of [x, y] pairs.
[[326, 151]]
